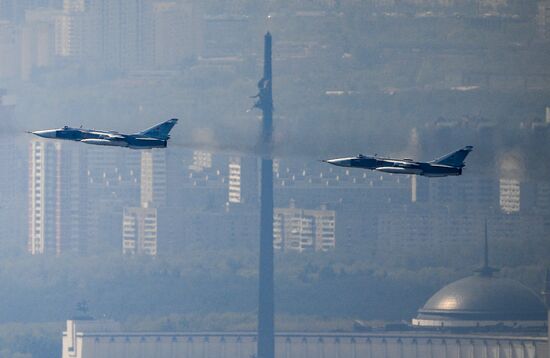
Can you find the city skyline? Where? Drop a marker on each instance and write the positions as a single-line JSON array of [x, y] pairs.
[[152, 246]]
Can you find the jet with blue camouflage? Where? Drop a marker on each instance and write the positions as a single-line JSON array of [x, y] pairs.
[[449, 164], [153, 137]]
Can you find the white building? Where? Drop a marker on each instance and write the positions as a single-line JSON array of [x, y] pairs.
[[139, 231], [55, 199], [140, 224], [84, 339], [296, 229], [153, 177], [243, 180], [510, 195], [234, 181], [201, 160], [72, 338]]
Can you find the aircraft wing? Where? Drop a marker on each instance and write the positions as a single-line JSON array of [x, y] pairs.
[[405, 163], [148, 139], [112, 136]]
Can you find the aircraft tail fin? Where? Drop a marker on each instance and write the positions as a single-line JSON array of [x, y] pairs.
[[161, 130], [454, 159]]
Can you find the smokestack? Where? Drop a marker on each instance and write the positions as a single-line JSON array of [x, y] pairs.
[[266, 326]]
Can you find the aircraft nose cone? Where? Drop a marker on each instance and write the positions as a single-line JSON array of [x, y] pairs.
[[338, 162], [45, 133]]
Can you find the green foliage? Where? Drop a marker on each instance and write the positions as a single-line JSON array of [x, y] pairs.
[[207, 282], [37, 340]]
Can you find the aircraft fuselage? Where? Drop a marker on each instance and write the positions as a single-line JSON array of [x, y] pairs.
[[448, 165], [154, 137]]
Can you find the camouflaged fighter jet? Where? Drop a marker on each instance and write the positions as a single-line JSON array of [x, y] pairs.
[[154, 137], [450, 164]]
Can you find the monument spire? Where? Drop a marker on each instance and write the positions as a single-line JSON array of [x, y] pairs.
[[486, 270], [266, 320], [486, 251], [546, 295], [546, 288]]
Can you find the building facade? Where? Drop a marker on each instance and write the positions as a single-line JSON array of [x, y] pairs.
[[153, 178], [177, 27], [510, 195], [117, 34], [92, 341], [140, 224], [543, 19], [243, 181], [112, 183], [38, 41], [10, 45], [296, 229], [56, 199], [139, 231]]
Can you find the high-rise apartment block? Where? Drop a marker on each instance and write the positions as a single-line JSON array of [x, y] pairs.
[[9, 50], [510, 195], [115, 33], [177, 26], [126, 33], [234, 181], [201, 160], [13, 184], [243, 180], [15, 10], [543, 19], [38, 40], [139, 231], [113, 182], [296, 229], [140, 228], [153, 178], [74, 5], [55, 199], [70, 31]]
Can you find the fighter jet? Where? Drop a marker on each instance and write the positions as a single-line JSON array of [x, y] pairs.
[[449, 164], [154, 137]]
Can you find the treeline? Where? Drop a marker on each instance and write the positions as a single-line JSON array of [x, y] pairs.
[[208, 281], [204, 289]]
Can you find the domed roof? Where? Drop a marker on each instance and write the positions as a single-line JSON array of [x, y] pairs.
[[483, 300], [484, 297]]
